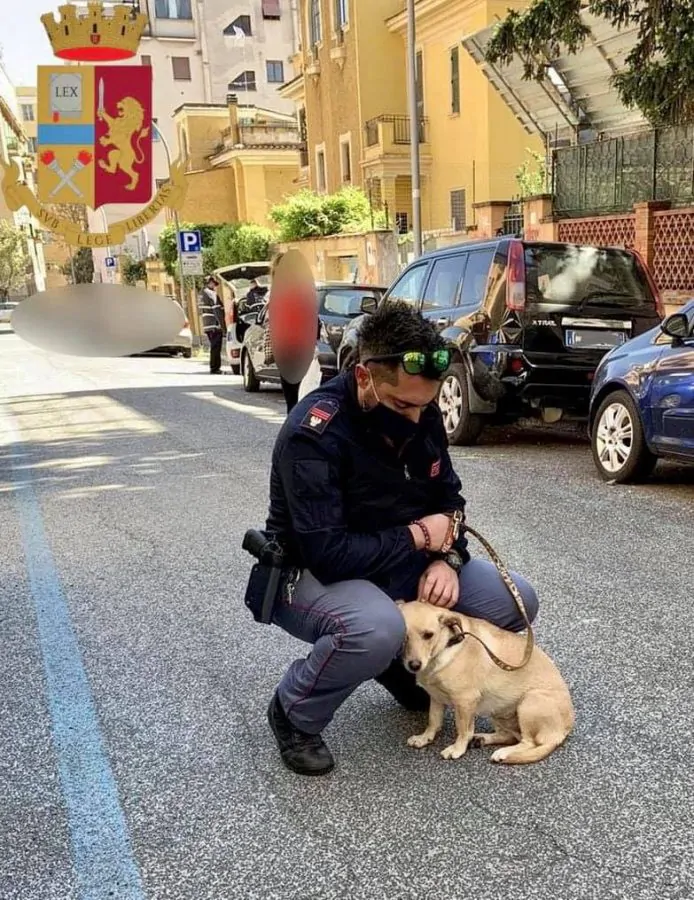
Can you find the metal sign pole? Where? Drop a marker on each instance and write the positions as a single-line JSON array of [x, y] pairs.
[[414, 130], [177, 226]]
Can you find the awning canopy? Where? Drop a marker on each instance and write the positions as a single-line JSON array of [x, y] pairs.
[[576, 90]]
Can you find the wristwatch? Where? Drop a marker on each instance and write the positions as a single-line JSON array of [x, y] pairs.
[[454, 560]]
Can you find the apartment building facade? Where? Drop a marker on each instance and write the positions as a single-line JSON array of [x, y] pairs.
[[351, 98]]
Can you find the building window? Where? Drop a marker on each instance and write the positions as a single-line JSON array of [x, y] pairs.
[[303, 135], [271, 9], [173, 9], [341, 14], [240, 27], [146, 60], [321, 175], [275, 71], [346, 160], [181, 68], [419, 85], [455, 80], [458, 210], [314, 22], [32, 144], [28, 112], [243, 82]]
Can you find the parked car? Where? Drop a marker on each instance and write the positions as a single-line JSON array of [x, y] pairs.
[[235, 282], [642, 402], [338, 303], [529, 321], [6, 309], [181, 345]]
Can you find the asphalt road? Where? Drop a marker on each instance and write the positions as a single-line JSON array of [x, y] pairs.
[[135, 758]]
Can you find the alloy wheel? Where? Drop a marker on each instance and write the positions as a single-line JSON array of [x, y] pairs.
[[614, 438], [451, 403]]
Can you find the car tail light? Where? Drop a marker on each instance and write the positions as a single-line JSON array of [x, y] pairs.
[[659, 308], [515, 284], [516, 365], [232, 313]]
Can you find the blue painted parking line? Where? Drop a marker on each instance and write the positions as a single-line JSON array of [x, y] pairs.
[[103, 859]]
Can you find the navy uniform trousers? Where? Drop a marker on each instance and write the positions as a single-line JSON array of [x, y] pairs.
[[357, 630]]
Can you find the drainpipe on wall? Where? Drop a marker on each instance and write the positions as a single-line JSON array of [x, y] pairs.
[[204, 50]]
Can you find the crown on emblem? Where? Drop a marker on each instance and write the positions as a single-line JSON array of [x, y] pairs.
[[94, 36]]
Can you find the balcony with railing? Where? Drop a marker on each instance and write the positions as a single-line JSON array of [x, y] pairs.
[[387, 142], [269, 136]]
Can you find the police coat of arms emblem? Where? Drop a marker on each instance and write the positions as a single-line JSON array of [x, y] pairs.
[[94, 126]]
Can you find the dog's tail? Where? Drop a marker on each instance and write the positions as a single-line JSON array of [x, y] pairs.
[[525, 752]]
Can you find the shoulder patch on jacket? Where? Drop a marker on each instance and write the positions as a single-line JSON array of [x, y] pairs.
[[320, 415]]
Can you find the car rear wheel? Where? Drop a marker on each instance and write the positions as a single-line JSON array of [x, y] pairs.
[[619, 446], [462, 427], [186, 353], [236, 370], [250, 379]]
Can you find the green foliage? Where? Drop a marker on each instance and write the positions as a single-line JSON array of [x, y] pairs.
[[238, 243], [133, 270], [309, 215], [658, 73], [83, 266], [13, 258], [532, 175]]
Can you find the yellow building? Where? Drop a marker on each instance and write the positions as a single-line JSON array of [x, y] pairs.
[[352, 95], [241, 161]]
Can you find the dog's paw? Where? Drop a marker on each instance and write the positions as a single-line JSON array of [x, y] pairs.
[[498, 756], [420, 740], [454, 751]]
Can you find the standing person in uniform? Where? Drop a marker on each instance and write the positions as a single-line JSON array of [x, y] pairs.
[[293, 313], [362, 498], [213, 317]]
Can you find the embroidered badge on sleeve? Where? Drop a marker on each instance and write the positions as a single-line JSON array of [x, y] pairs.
[[435, 469], [319, 416]]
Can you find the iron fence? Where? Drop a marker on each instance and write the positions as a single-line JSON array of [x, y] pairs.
[[613, 175], [512, 223]]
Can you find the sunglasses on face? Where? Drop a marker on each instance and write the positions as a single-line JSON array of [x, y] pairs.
[[414, 362]]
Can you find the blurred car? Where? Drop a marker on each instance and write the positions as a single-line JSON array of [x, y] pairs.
[[7, 307], [642, 401], [181, 345], [529, 322], [338, 302], [235, 283]]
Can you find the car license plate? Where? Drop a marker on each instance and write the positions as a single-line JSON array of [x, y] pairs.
[[594, 338]]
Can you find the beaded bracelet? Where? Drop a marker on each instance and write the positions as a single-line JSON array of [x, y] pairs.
[[425, 532]]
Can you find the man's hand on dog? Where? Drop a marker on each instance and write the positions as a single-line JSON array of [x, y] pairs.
[[439, 585]]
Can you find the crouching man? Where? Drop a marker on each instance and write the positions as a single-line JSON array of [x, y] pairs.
[[365, 501]]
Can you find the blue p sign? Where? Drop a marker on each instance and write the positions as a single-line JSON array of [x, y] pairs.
[[190, 242]]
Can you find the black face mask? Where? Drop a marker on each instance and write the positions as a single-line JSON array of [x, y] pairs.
[[389, 423]]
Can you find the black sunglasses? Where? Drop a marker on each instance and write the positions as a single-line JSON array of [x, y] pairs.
[[414, 362]]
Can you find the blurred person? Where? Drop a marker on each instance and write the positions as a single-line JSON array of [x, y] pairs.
[[213, 318], [292, 321]]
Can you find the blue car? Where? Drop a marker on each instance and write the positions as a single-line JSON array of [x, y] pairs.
[[642, 401]]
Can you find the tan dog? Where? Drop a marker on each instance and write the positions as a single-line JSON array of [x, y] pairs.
[[530, 708]]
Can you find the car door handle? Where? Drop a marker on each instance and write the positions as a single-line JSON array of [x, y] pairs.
[[442, 323]]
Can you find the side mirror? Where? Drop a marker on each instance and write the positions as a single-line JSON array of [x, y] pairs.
[[368, 304], [676, 326]]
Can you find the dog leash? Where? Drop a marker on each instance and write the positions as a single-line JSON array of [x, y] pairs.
[[516, 594]]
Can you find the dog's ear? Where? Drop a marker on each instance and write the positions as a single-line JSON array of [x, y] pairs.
[[455, 627]]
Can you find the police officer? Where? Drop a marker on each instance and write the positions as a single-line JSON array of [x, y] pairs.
[[362, 496]]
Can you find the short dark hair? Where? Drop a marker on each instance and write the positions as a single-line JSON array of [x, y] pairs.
[[394, 328]]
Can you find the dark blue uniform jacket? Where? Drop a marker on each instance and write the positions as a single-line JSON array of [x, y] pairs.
[[341, 498]]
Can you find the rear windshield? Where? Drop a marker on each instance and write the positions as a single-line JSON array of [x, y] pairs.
[[344, 302], [568, 274]]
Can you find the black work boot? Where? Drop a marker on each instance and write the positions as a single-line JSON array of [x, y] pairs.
[[301, 752], [403, 686]]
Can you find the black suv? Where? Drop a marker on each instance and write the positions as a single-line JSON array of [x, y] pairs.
[[530, 322]]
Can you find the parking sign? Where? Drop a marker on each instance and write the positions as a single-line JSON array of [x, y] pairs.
[[110, 262], [190, 242]]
